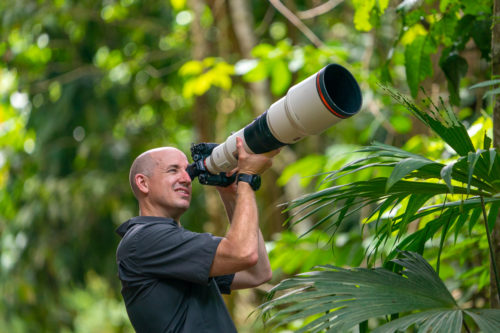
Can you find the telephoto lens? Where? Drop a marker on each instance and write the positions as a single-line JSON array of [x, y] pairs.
[[309, 108]]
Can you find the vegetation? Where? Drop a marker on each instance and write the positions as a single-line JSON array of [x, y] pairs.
[[85, 86], [469, 191]]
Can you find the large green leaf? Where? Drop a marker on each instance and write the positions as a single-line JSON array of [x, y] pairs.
[[352, 296], [418, 62], [343, 298]]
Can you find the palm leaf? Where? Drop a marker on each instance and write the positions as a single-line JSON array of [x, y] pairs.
[[488, 320], [438, 320], [355, 295], [404, 168], [344, 298], [485, 84], [492, 158], [441, 120]]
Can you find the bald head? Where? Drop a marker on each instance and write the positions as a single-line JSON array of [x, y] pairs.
[[145, 164]]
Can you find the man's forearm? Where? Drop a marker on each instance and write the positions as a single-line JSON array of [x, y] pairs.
[[244, 229], [239, 250], [260, 272], [229, 202]]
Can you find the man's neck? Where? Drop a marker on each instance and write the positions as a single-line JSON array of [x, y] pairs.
[[148, 211]]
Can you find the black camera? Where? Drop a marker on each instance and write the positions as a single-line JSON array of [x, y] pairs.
[[199, 152]]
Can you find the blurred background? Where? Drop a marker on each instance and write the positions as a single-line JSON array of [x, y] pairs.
[[86, 86]]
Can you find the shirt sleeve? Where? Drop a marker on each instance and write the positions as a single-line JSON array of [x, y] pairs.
[[167, 251], [224, 283]]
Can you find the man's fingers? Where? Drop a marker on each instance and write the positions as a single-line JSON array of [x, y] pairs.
[[232, 172], [239, 144]]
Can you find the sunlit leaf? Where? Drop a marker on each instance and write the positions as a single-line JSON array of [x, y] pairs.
[[362, 12], [258, 73], [280, 77], [405, 167], [192, 67], [178, 4]]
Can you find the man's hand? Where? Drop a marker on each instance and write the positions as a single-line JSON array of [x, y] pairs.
[[250, 164], [254, 164]]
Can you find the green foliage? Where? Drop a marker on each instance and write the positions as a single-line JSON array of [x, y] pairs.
[[204, 74], [412, 193], [418, 62], [291, 254], [477, 171], [489, 83], [346, 297], [278, 63], [305, 168], [424, 29], [85, 86], [363, 20]]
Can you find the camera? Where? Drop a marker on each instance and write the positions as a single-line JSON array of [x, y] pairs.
[[308, 108]]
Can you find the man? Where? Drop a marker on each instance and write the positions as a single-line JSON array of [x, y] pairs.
[[172, 278]]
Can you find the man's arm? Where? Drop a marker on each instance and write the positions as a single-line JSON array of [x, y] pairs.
[[243, 245], [261, 272]]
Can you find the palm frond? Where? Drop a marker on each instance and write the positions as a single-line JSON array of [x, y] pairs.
[[488, 320], [404, 168], [352, 296], [441, 120], [343, 298], [436, 320]]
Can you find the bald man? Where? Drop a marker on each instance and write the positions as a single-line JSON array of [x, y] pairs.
[[172, 278]]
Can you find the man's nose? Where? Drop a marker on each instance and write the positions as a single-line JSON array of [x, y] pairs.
[[185, 178]]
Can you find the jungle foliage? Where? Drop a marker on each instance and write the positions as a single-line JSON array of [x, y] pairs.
[[85, 86]]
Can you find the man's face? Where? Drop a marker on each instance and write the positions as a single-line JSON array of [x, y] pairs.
[[170, 184]]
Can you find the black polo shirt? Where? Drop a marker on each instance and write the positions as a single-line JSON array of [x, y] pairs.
[[164, 270]]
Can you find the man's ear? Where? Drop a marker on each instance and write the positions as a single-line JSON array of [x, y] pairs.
[[142, 183]]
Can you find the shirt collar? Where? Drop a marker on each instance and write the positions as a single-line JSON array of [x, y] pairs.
[[123, 228]]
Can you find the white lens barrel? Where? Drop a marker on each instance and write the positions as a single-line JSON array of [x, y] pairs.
[[309, 108], [223, 157]]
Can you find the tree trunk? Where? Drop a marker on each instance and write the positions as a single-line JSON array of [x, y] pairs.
[[201, 110], [243, 26], [495, 56], [204, 120]]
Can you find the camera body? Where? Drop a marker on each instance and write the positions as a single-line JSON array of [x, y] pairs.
[[199, 152], [308, 108]]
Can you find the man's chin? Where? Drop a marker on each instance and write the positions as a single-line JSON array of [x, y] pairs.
[[184, 204]]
